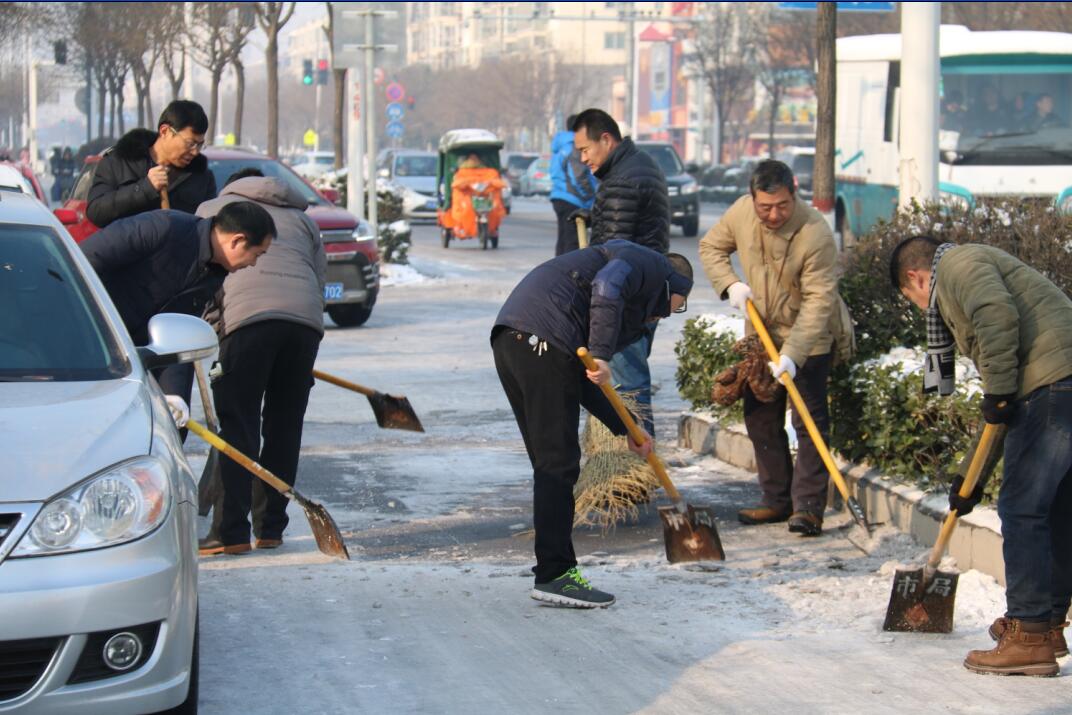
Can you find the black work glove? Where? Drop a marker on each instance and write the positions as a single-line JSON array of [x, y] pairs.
[[582, 214], [997, 413], [963, 505]]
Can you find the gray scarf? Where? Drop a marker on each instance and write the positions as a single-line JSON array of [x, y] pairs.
[[939, 370]]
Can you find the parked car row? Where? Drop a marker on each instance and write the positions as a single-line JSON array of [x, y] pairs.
[[726, 182]]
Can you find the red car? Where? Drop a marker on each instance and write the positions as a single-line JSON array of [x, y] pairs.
[[353, 279]]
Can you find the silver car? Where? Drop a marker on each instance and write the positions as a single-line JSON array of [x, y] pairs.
[[98, 542]]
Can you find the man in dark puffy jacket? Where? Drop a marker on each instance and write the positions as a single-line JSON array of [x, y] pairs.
[[270, 320], [572, 187], [172, 262], [633, 204], [133, 173], [601, 298]]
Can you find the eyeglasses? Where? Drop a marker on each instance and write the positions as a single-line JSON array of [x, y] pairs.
[[684, 303], [189, 144]]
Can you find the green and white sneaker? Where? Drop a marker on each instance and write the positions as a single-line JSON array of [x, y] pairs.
[[571, 590]]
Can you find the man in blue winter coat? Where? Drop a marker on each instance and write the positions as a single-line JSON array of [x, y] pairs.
[[573, 187], [601, 298]]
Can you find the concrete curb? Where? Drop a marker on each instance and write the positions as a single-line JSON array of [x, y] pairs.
[[976, 542]]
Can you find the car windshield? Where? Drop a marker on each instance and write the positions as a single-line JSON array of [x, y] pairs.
[[519, 163], [51, 328], [1015, 114], [325, 160], [665, 156], [222, 169], [543, 165], [415, 166], [803, 163]]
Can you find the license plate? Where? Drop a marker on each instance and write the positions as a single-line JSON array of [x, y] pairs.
[[333, 291], [481, 203]]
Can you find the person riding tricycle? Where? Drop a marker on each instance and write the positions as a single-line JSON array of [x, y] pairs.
[[470, 186]]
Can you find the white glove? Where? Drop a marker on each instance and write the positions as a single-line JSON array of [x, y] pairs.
[[784, 364], [738, 293], [180, 411]]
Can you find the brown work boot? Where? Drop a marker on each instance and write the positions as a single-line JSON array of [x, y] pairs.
[[1057, 635], [761, 515], [212, 547], [1024, 649], [806, 523], [269, 543]]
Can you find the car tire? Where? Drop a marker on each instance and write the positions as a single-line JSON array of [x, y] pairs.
[[691, 226], [444, 237], [352, 315], [189, 705]]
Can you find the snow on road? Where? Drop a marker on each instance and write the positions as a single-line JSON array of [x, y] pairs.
[[432, 615]]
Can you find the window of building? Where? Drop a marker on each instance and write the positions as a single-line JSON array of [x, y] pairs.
[[613, 40]]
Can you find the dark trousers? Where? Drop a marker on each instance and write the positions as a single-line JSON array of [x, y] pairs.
[[263, 390], [546, 390], [632, 376], [567, 230], [801, 487], [1035, 505]]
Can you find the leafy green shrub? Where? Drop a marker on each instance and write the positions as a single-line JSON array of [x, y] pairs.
[[394, 244], [703, 352]]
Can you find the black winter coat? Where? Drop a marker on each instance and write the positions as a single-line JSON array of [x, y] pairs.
[[632, 202], [599, 297], [121, 185], [156, 262]]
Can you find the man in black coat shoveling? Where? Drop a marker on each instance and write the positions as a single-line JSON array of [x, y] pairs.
[[601, 297]]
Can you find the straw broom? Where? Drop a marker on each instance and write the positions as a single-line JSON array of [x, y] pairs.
[[613, 480]]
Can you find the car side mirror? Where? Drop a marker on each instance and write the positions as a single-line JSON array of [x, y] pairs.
[[331, 195], [68, 217], [175, 338]]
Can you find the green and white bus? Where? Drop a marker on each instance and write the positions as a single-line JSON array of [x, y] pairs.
[[1005, 132]]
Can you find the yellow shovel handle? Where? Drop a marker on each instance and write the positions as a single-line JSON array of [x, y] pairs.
[[258, 471], [631, 425], [798, 402], [975, 468]]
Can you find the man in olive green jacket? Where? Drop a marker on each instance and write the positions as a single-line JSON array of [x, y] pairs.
[[788, 255], [1016, 326]]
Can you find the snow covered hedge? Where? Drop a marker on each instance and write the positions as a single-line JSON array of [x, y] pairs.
[[878, 411]]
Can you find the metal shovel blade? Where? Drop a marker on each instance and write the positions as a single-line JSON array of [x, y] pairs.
[[211, 484], [698, 543], [920, 604], [394, 412], [328, 538]]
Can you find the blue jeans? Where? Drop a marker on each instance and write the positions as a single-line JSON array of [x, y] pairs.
[[629, 369], [1035, 505]]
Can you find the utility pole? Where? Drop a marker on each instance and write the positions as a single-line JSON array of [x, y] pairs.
[[826, 100], [370, 122], [32, 115], [919, 102]]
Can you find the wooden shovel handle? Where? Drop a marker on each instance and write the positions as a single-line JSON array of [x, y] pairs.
[[165, 201], [206, 397], [798, 401], [634, 431], [582, 233], [975, 468], [366, 391], [258, 471]]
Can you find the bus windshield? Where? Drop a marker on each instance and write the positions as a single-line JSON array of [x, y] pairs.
[[1008, 113]]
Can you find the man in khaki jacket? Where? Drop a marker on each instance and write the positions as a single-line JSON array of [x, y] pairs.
[[1016, 326], [788, 255]]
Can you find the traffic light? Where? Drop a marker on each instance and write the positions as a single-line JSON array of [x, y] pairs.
[[307, 72], [411, 102], [321, 71]]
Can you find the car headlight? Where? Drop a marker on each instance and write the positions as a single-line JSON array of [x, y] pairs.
[[121, 504], [690, 188], [361, 231]]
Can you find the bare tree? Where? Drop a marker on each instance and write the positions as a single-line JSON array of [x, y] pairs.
[[238, 32], [173, 46], [207, 39], [272, 16], [723, 60], [786, 54], [339, 76]]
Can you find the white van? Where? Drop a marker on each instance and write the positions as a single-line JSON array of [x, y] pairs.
[[1006, 102]]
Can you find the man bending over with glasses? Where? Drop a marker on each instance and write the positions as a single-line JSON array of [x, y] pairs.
[[600, 297], [133, 173], [788, 259]]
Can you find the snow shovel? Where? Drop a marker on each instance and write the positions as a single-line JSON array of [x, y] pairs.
[[802, 409], [328, 538], [922, 599], [392, 411], [210, 484], [688, 531]]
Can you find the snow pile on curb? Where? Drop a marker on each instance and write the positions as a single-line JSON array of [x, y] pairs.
[[722, 323], [909, 361], [394, 274]]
